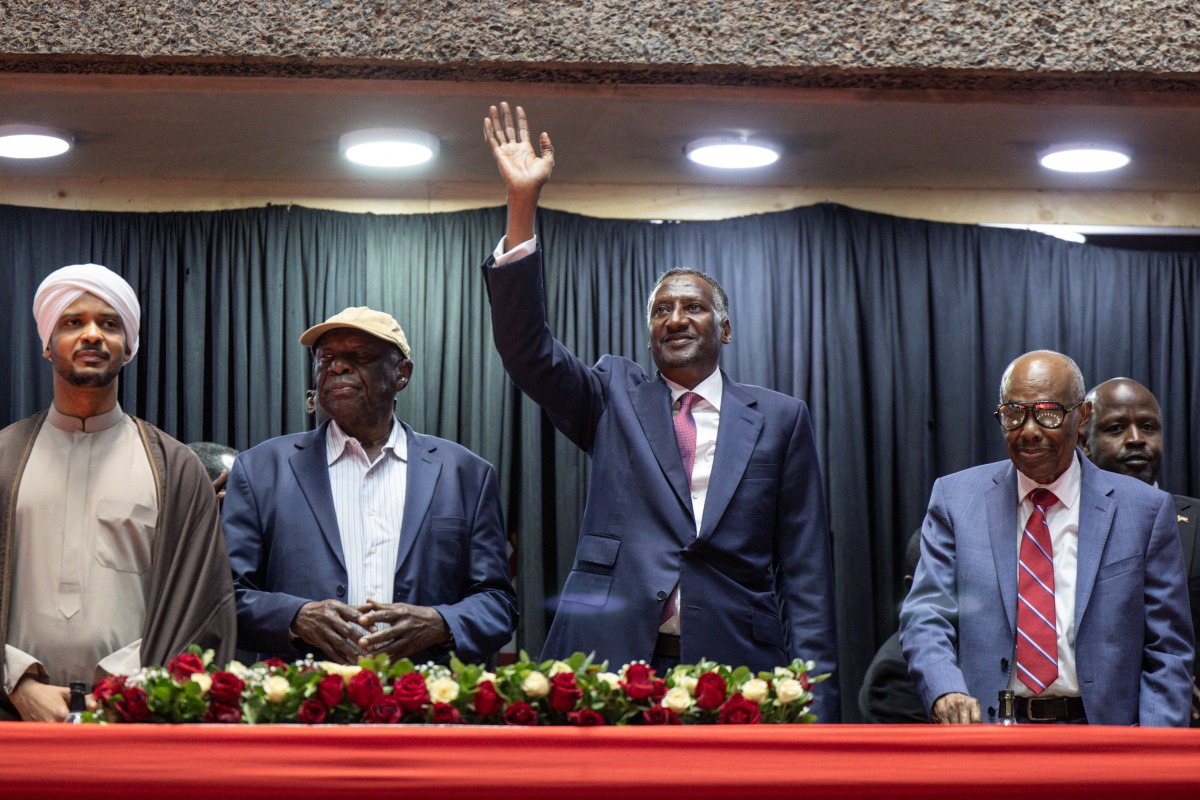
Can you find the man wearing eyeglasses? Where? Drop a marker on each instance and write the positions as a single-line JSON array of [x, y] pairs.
[[1048, 577]]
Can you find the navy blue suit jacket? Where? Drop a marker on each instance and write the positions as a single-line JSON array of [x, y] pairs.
[[1133, 631], [756, 584], [285, 549]]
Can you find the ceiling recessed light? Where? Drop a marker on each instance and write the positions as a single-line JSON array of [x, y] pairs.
[[1083, 158], [388, 147], [732, 152], [32, 141]]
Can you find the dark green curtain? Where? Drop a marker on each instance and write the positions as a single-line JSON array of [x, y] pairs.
[[895, 331]]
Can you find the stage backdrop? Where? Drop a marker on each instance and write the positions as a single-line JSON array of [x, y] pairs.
[[895, 331]]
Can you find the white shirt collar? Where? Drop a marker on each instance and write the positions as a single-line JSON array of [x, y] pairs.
[[711, 389], [1065, 487], [336, 442]]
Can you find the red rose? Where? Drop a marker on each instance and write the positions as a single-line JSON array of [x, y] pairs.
[[586, 718], [638, 681], [488, 701], [385, 710], [183, 665], [312, 712], [445, 714], [658, 715], [105, 689], [410, 692], [275, 663], [564, 692], [740, 711], [658, 690], [365, 688], [132, 705], [331, 690], [226, 688], [804, 683], [710, 691], [223, 712], [520, 714]]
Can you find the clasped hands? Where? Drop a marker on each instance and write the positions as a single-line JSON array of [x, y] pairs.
[[344, 632]]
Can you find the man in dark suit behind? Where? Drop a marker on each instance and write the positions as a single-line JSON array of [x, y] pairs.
[[726, 558], [1125, 435], [363, 536]]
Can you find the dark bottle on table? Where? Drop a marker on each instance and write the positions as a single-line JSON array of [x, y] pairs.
[[78, 702]]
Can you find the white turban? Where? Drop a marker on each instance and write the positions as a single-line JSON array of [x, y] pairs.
[[63, 286]]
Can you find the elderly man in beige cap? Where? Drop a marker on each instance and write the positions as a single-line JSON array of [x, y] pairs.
[[110, 544], [363, 536]]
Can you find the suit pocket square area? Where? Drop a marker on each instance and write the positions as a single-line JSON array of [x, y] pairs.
[[596, 549], [1119, 567]]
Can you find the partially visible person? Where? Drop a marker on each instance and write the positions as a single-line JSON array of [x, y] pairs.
[[217, 460], [888, 693], [1049, 577], [363, 536], [109, 529], [1125, 435]]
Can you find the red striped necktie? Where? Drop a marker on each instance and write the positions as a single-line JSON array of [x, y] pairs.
[[1037, 631]]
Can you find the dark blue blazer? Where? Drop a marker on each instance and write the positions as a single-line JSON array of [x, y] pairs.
[[285, 549], [756, 584], [1133, 631]]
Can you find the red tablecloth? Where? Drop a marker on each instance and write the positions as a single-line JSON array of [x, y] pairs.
[[258, 762]]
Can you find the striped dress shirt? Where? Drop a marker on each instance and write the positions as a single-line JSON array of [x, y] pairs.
[[368, 498]]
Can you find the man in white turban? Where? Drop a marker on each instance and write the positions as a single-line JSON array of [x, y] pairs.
[[111, 554]]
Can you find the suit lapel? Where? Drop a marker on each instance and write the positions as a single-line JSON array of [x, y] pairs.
[[1096, 508], [1001, 500], [424, 468], [737, 436], [310, 466], [651, 402]]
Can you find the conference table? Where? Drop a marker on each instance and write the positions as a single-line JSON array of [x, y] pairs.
[[690, 763]]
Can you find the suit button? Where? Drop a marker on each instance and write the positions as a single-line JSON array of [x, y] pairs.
[[661, 595], [341, 590], [1004, 665]]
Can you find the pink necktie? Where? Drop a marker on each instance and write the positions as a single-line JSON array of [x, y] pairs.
[[1037, 632], [685, 437]]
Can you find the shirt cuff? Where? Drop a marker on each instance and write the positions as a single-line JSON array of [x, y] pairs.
[[16, 664], [125, 661], [524, 249]]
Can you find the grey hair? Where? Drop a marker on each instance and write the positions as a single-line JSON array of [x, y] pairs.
[[720, 299], [1077, 387]]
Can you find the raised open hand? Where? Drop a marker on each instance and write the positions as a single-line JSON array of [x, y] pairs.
[[523, 170]]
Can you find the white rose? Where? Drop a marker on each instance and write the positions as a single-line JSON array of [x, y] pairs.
[[756, 690], [204, 680], [535, 685], [677, 699], [788, 690], [559, 667], [346, 671], [686, 682], [276, 688], [238, 668], [613, 681], [442, 690], [783, 672], [486, 676]]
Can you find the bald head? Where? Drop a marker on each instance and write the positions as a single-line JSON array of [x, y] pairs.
[[1125, 432], [1040, 449]]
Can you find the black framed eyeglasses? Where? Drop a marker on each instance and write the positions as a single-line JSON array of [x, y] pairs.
[[1047, 413]]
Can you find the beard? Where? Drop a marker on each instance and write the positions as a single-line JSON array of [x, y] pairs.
[[93, 378]]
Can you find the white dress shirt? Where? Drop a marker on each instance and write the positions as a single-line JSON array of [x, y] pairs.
[[368, 498], [1063, 521]]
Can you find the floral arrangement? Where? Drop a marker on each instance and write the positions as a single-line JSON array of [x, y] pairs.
[[571, 692]]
